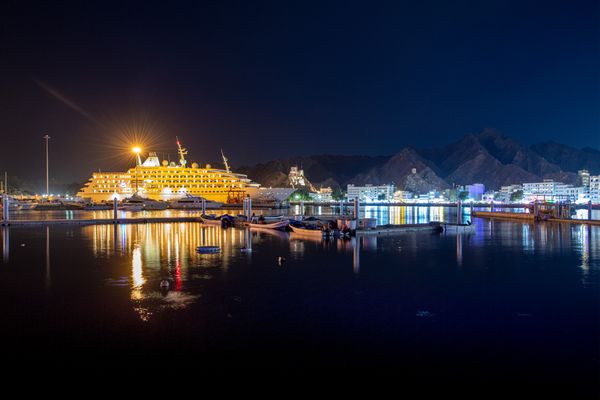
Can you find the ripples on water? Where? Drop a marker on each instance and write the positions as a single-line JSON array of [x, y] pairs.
[[528, 291]]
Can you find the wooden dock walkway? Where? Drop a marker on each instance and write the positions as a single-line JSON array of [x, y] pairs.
[[99, 221], [395, 229], [527, 217]]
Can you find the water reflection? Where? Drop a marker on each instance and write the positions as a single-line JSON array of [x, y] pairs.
[[459, 249], [157, 252], [5, 244], [356, 243], [48, 280], [167, 253]]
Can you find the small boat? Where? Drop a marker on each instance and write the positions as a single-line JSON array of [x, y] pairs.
[[273, 218], [150, 204], [98, 206], [307, 231], [138, 203], [208, 249], [193, 203], [210, 219], [27, 205], [458, 228], [279, 225]]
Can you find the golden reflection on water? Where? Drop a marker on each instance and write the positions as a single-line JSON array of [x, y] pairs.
[[166, 252]]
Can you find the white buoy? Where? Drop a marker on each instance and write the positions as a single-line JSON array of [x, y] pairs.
[[280, 260]]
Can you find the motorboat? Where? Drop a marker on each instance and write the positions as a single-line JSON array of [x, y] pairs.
[[27, 205], [312, 232], [150, 204], [459, 228], [194, 203], [138, 203], [210, 219], [98, 206], [279, 225]]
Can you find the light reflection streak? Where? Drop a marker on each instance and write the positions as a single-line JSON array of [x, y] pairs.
[[5, 244], [48, 281], [459, 252]]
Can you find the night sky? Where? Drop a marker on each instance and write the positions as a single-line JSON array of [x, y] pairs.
[[269, 80]]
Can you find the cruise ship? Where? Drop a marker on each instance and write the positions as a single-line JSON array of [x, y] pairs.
[[164, 180]]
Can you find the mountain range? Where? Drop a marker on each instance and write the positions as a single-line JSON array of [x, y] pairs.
[[487, 157]]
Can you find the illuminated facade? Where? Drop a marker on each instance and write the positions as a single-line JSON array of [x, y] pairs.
[[169, 180], [370, 193]]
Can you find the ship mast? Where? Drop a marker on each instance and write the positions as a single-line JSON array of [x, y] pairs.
[[182, 152], [225, 162]]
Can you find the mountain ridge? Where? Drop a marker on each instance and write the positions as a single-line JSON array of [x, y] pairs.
[[489, 157]]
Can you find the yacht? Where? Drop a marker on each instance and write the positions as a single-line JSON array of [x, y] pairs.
[[193, 202], [138, 203]]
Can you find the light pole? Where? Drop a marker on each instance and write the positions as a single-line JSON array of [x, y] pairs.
[[46, 137], [137, 152]]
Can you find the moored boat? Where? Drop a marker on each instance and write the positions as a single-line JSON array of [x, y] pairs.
[[138, 203], [279, 225], [210, 219], [193, 203], [458, 228], [312, 232]]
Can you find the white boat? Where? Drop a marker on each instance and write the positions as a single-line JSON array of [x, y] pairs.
[[307, 232], [150, 204], [137, 203], [280, 225], [98, 206], [24, 205], [193, 203], [459, 228], [211, 220]]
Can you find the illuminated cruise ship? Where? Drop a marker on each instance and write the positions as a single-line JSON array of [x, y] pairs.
[[169, 180]]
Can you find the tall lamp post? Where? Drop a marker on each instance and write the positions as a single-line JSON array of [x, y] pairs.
[[46, 138], [137, 152]]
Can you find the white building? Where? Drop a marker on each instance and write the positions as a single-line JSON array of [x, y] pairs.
[[595, 189], [505, 192], [550, 190], [322, 195], [370, 193]]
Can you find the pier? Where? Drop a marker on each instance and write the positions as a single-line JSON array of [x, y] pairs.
[[527, 217], [99, 221]]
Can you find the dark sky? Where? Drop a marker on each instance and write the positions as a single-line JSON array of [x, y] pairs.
[[267, 80]]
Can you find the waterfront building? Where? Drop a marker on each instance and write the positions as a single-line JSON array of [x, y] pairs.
[[595, 189], [475, 191], [505, 193], [297, 179], [323, 195], [371, 193], [402, 196], [163, 180], [550, 190], [584, 178]]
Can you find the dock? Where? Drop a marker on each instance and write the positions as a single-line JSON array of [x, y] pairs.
[[527, 217], [99, 221], [395, 229]]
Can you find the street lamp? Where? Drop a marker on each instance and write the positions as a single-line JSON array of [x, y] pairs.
[[137, 150], [46, 137]]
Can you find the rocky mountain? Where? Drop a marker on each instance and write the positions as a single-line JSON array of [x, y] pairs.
[[569, 159], [488, 157]]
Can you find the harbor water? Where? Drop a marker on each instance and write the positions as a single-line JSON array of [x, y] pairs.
[[510, 301]]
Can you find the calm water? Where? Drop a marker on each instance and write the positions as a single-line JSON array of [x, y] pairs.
[[383, 214], [512, 301]]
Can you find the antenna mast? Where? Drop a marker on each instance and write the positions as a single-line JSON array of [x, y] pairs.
[[225, 162], [182, 152]]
